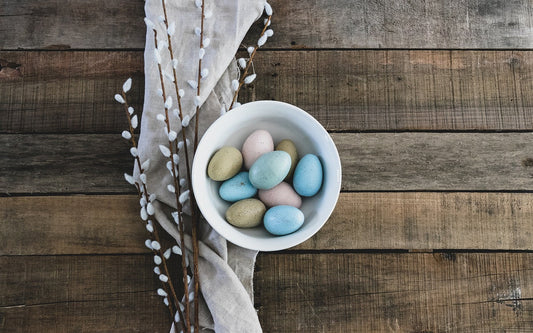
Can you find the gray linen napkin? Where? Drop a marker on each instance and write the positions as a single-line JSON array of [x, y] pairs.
[[225, 270]]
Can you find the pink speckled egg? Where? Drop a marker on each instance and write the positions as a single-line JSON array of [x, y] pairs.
[[255, 145], [281, 194]]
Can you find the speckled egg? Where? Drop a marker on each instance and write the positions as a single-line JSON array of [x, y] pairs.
[[289, 147], [237, 188], [270, 169], [226, 163], [308, 176], [247, 213], [281, 194], [283, 220], [255, 145]]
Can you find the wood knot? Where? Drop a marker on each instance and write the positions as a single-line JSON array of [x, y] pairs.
[[527, 162]]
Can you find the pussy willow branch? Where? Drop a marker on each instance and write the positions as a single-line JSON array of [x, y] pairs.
[[248, 65], [155, 232], [196, 218], [176, 194], [194, 211]]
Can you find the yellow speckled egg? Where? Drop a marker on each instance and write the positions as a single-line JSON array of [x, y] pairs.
[[226, 163], [289, 147], [247, 213]]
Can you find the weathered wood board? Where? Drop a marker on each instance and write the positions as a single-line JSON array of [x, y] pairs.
[[334, 292], [107, 224], [95, 163], [359, 90], [319, 24]]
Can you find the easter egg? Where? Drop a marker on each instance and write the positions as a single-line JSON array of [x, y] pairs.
[[308, 176], [247, 213], [289, 147], [255, 145], [237, 188], [283, 220], [270, 169], [281, 194], [225, 164]]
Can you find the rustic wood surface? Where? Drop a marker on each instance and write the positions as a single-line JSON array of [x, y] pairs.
[[434, 134]]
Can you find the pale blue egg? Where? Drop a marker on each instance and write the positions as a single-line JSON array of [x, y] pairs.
[[237, 188], [308, 176], [270, 169], [283, 220]]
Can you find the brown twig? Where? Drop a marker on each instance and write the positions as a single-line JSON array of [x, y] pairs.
[[252, 55], [177, 195], [155, 232]]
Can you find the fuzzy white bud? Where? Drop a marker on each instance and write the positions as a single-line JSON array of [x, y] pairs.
[[197, 31], [206, 42], [198, 3], [142, 176], [172, 135], [250, 49], [197, 100], [171, 188], [186, 120], [201, 53], [175, 63], [176, 159], [250, 78], [119, 99], [145, 166], [130, 110], [156, 246], [142, 202], [152, 197], [269, 32], [176, 217], [168, 102], [157, 270], [169, 76], [164, 150], [169, 166], [180, 145], [150, 228], [181, 93], [159, 92], [268, 9], [262, 40], [126, 135], [134, 152], [160, 117], [176, 250], [163, 278], [267, 22], [157, 259], [183, 181], [129, 179], [149, 24], [165, 301], [134, 121], [161, 292], [127, 85], [177, 317], [184, 197], [235, 85], [150, 209], [204, 73], [148, 244], [242, 63], [144, 214], [208, 14], [167, 253]]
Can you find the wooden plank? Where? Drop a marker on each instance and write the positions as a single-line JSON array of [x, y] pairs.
[[95, 163], [110, 224], [441, 292], [365, 90], [317, 24], [80, 294], [336, 292]]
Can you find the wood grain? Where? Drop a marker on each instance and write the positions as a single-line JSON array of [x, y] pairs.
[[318, 24], [95, 163], [80, 294], [109, 224], [336, 292], [365, 90], [441, 292]]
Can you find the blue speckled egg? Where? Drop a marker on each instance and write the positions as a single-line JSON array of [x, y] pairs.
[[308, 176], [237, 188], [270, 169], [283, 220]]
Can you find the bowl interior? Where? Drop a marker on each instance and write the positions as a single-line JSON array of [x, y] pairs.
[[283, 121]]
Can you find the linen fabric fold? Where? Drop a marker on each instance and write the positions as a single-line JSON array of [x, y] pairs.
[[225, 270]]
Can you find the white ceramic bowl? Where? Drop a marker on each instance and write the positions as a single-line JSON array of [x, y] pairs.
[[283, 121]]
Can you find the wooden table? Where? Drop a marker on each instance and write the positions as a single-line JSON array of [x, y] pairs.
[[429, 102]]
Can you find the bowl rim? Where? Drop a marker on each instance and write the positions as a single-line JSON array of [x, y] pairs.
[[206, 211]]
